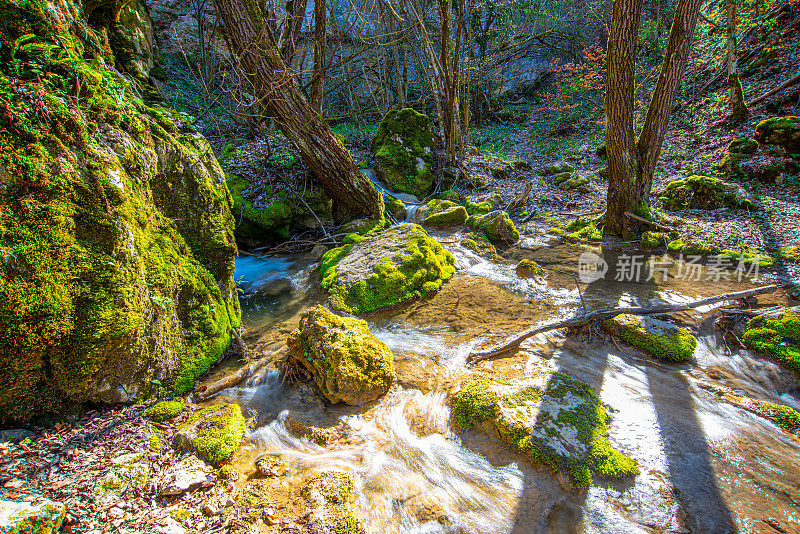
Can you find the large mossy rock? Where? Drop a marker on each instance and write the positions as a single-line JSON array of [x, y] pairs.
[[214, 433], [780, 131], [656, 337], [387, 268], [347, 362], [704, 192], [403, 148], [277, 213], [551, 418], [442, 213], [42, 516], [777, 335], [116, 236], [497, 226]]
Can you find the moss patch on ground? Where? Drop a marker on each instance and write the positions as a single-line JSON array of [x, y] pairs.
[[215, 432], [391, 267], [583, 230], [164, 410], [654, 336], [551, 418], [704, 192], [347, 362], [529, 269], [777, 336]]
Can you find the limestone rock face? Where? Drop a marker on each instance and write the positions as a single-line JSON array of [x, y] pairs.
[[347, 362], [176, 24], [781, 131], [659, 338], [550, 417], [403, 148], [41, 517], [388, 268], [137, 44], [116, 236]]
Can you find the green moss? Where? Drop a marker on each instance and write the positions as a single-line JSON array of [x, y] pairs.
[[529, 268], [778, 337], [154, 443], [743, 146], [403, 148], [164, 410], [483, 207], [418, 268], [785, 417], [702, 192], [555, 168], [181, 514], [228, 472], [445, 213], [652, 240], [562, 177], [747, 256], [654, 336], [583, 230], [496, 225], [692, 247], [395, 208], [218, 431], [570, 434], [347, 362]]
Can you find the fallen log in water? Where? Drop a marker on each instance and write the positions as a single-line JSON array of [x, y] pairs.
[[234, 379], [607, 313]]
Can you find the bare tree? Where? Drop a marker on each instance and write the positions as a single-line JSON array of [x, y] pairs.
[[738, 107]]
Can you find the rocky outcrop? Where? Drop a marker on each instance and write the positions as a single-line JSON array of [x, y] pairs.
[[42, 516], [403, 149], [134, 43], [214, 433], [387, 268], [116, 236], [347, 362], [704, 192], [656, 337], [550, 418], [780, 131]]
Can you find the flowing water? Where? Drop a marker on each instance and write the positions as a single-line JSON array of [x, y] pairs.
[[705, 465]]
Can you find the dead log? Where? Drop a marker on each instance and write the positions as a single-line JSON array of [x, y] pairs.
[[236, 378], [651, 223], [607, 313], [788, 83], [522, 197]]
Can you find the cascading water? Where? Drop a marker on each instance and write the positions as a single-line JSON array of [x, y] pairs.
[[705, 465]]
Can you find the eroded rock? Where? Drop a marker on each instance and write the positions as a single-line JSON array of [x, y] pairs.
[[42, 516]]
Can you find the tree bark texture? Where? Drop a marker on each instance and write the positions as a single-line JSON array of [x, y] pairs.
[[739, 110], [279, 95]]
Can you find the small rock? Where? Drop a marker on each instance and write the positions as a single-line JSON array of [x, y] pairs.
[[40, 517], [184, 476], [270, 466], [210, 510]]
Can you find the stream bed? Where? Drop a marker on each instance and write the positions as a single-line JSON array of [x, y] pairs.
[[705, 465]]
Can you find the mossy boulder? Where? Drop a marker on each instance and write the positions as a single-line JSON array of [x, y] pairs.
[[743, 146], [444, 213], [477, 243], [761, 167], [777, 335], [264, 215], [42, 516], [395, 208], [214, 433], [651, 240], [704, 192], [582, 229], [403, 147], [656, 337], [347, 362], [115, 227], [551, 418], [497, 226], [553, 169], [576, 183], [484, 205], [529, 269], [391, 267], [327, 497], [781, 131]]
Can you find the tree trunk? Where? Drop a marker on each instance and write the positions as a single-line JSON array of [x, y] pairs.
[[631, 163], [320, 44], [739, 110], [276, 88]]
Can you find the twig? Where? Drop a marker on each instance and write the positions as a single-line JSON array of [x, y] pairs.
[[788, 83], [607, 313], [580, 294], [651, 223]]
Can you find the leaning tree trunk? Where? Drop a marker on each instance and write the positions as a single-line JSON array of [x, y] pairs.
[[276, 89], [738, 107], [320, 42], [631, 164]]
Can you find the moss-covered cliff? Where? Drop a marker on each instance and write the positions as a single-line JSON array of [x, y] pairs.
[[116, 236]]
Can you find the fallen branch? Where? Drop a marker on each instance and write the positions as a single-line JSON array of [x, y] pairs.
[[517, 202], [788, 83], [607, 313], [232, 380], [651, 223]]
